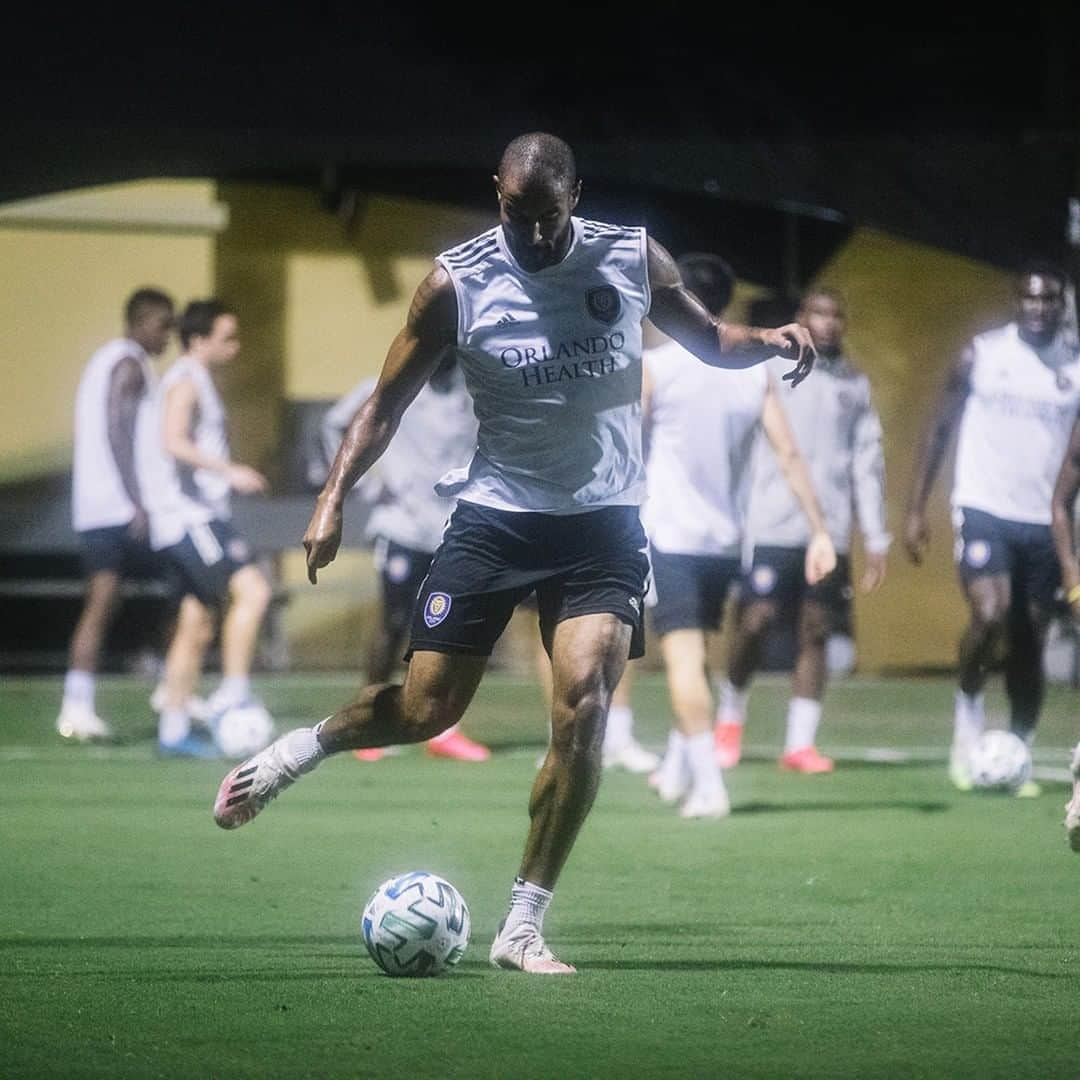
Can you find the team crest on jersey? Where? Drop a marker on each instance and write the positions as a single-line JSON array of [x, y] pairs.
[[436, 609], [977, 554], [604, 303], [763, 580]]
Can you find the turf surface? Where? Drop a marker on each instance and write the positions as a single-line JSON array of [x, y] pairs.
[[869, 923]]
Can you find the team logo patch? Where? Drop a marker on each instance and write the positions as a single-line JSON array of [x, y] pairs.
[[238, 549], [977, 554], [604, 303], [397, 568], [763, 580], [436, 609]]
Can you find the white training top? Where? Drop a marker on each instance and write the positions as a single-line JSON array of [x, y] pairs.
[[1016, 425], [437, 431], [179, 496], [553, 362], [703, 424], [99, 499]]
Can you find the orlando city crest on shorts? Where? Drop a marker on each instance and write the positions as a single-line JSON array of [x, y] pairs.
[[604, 303], [436, 608]]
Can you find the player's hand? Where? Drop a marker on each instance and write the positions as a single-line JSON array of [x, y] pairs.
[[820, 558], [874, 573], [139, 525], [916, 536], [1072, 588], [323, 537], [246, 480], [793, 341]]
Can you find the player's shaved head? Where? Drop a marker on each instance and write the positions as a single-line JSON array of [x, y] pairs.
[[539, 158]]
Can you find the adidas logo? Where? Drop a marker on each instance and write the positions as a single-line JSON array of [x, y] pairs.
[[506, 320]]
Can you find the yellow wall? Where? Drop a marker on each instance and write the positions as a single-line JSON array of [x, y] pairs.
[[63, 284]]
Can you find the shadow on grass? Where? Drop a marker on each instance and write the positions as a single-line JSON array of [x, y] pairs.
[[840, 805], [826, 967]]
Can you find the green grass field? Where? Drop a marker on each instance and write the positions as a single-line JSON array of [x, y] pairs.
[[869, 923]]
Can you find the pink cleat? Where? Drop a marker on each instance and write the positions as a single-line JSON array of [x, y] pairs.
[[374, 753], [807, 760], [523, 949], [254, 783], [728, 740], [452, 744]]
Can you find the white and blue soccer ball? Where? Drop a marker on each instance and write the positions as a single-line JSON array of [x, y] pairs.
[[1000, 761], [243, 730], [416, 924]]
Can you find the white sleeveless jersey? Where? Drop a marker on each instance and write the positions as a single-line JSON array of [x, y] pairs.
[[703, 425], [437, 431], [99, 499], [552, 360], [183, 497], [1015, 426]]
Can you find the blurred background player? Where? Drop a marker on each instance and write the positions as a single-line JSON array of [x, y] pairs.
[[1062, 526], [1014, 393], [701, 427], [839, 434], [189, 519], [108, 509], [437, 433]]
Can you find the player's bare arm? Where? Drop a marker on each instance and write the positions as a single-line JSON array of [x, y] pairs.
[[1062, 505], [950, 406], [430, 328], [680, 315], [126, 387], [820, 553], [178, 420]]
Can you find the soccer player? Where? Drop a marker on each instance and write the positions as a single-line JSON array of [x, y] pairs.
[[1062, 519], [189, 522], [437, 431], [1014, 393], [545, 312], [703, 424], [108, 509], [839, 434]]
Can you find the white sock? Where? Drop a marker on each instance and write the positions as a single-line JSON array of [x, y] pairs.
[[620, 724], [232, 691], [303, 745], [732, 708], [173, 725], [528, 903], [969, 718], [701, 756], [79, 688], [803, 717], [673, 755]]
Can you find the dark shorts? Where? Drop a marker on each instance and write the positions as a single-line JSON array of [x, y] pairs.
[[490, 560], [401, 573], [113, 548], [691, 590], [778, 574], [206, 559], [987, 545]]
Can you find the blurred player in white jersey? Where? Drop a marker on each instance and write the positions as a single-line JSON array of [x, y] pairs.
[[839, 434], [702, 425], [1014, 394], [407, 519], [545, 312], [190, 523], [108, 506]]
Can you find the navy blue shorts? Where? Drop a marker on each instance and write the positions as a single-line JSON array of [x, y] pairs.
[[114, 548], [778, 574], [401, 573], [490, 560], [206, 559], [691, 590], [987, 545]]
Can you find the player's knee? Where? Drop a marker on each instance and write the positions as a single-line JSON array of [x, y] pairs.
[[255, 591], [988, 615], [813, 633], [578, 720], [756, 619], [431, 716]]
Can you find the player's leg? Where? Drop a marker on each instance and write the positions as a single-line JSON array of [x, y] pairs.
[[1072, 807], [78, 717], [401, 573], [194, 631], [807, 687], [249, 597]]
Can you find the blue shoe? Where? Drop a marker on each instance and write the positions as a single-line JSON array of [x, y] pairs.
[[193, 745]]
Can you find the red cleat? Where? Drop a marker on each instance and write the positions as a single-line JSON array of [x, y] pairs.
[[375, 753], [727, 738], [452, 744], [807, 760]]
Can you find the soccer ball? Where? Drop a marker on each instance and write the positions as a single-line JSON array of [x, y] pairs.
[[1000, 761], [416, 924], [244, 730]]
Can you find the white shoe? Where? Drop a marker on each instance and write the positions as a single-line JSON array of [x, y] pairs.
[[254, 783], [1072, 807], [960, 766], [631, 756], [706, 804], [197, 708], [524, 949], [81, 724], [671, 783]]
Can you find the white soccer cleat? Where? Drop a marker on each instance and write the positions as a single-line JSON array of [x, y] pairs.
[[706, 804], [631, 756], [80, 723], [254, 783], [524, 949], [671, 782], [1072, 807]]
